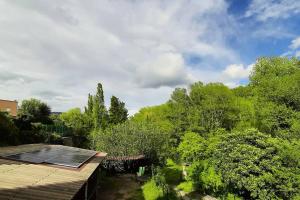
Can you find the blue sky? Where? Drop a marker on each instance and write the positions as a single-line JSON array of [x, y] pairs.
[[58, 51]]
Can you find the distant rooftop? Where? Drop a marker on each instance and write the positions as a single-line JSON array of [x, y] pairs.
[[9, 106]]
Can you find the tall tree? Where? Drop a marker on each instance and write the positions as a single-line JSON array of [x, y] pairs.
[[89, 107], [117, 111], [100, 115]]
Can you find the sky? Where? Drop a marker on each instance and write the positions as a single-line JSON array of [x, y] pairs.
[[140, 50]]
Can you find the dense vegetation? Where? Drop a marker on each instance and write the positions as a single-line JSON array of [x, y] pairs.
[[240, 143]]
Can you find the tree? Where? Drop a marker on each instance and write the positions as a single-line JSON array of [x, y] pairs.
[[35, 111], [213, 106], [89, 107], [8, 131], [158, 115], [79, 123], [100, 115], [254, 165], [277, 79], [192, 148], [117, 111], [131, 139]]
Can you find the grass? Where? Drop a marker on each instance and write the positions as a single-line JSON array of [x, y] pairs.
[[186, 186], [172, 173], [151, 191]]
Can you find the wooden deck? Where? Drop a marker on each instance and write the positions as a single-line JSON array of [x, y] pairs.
[[26, 181]]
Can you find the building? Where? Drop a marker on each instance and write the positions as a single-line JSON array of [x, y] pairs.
[[36, 180], [11, 107]]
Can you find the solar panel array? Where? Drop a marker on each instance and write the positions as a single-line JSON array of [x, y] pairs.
[[58, 155]]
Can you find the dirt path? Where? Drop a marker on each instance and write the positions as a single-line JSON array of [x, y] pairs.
[[120, 187]]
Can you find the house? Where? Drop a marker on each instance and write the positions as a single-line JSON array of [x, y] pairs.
[[11, 107], [40, 171]]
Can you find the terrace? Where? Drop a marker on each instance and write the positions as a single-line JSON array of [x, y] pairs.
[[37, 180]]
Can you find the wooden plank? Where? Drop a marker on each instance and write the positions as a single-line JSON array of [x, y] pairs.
[[20, 180]]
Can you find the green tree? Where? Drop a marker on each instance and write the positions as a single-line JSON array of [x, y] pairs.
[[192, 148], [277, 79], [158, 115], [117, 111], [100, 115], [252, 165], [214, 106], [133, 138], [79, 123], [89, 108], [35, 111], [8, 131]]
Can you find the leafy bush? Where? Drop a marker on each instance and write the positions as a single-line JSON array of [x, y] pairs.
[[132, 138], [192, 147], [151, 191], [257, 166], [55, 139], [172, 172], [187, 186], [205, 178], [8, 131]]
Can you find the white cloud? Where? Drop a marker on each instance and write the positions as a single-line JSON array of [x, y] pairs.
[[263, 10], [237, 71], [294, 48], [59, 50], [295, 44]]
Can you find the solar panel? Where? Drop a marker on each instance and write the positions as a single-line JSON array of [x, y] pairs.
[[58, 155]]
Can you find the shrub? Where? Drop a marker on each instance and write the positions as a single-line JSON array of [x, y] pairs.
[[132, 138], [257, 166], [55, 139], [187, 186], [151, 191], [8, 131], [172, 172]]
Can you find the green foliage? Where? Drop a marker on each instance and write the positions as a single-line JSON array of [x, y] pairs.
[[165, 178], [8, 131], [251, 163], [192, 147], [151, 191], [187, 186], [272, 118], [117, 111], [133, 138], [74, 119], [79, 124], [205, 178], [211, 181], [205, 108], [277, 79], [243, 91], [55, 139], [35, 111], [231, 196], [158, 115], [172, 172], [100, 115], [216, 104], [89, 108], [246, 116], [97, 115]]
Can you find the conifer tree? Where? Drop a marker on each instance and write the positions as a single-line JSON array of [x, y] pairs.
[[100, 115], [117, 111], [89, 108]]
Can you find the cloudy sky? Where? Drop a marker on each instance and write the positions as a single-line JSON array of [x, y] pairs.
[[140, 50]]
